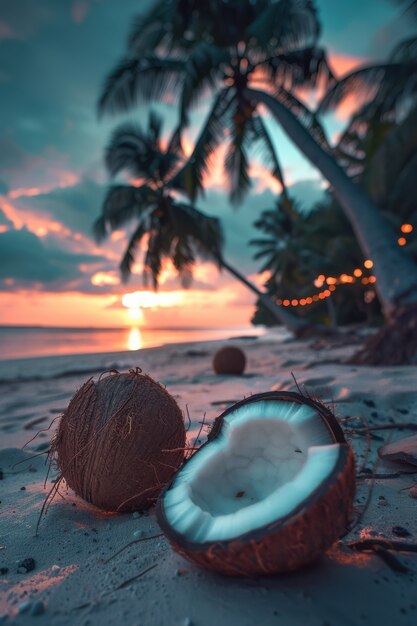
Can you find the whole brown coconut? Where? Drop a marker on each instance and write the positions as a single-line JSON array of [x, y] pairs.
[[229, 360], [229, 511], [120, 441]]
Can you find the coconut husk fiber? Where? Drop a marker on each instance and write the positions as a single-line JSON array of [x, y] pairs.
[[120, 441]]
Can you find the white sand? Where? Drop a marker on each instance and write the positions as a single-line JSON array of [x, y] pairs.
[[72, 585]]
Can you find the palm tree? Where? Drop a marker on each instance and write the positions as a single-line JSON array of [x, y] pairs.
[[174, 229], [229, 48], [296, 247], [218, 46], [282, 250], [389, 88]]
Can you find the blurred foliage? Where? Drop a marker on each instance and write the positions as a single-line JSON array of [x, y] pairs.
[[378, 150], [297, 247]]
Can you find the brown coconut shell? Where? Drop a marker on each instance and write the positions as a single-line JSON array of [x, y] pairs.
[[292, 541], [229, 360], [120, 441]]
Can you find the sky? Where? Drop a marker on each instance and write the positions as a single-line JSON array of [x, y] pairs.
[[54, 57]]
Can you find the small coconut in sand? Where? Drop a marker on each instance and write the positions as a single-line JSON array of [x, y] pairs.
[[229, 360], [120, 441]]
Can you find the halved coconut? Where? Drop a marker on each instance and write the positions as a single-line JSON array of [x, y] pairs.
[[270, 491]]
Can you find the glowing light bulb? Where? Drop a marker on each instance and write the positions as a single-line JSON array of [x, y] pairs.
[[368, 264], [402, 241], [406, 228]]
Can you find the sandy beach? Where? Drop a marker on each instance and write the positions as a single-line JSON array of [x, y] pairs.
[[71, 582]]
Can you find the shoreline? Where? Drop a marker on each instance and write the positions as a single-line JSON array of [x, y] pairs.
[[71, 583], [129, 340]]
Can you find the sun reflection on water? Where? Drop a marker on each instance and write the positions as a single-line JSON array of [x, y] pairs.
[[135, 339]]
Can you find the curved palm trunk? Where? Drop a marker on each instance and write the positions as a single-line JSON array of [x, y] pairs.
[[293, 323], [396, 274]]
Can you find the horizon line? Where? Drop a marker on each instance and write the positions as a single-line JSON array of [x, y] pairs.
[[46, 327]]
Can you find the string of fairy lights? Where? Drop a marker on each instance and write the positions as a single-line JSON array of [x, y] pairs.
[[330, 283]]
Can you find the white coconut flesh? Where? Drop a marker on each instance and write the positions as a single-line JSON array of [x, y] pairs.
[[268, 458]]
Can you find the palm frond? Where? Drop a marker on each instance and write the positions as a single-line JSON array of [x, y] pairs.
[[139, 152], [307, 67], [168, 166], [405, 51], [401, 197], [286, 25], [268, 152], [154, 130], [366, 81], [159, 247], [410, 8], [169, 25], [128, 149], [192, 174], [100, 229], [236, 162], [128, 258], [175, 143], [305, 116], [139, 79], [122, 203], [391, 172], [202, 68], [203, 232], [149, 29]]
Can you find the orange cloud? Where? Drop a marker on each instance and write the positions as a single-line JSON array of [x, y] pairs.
[[105, 278], [341, 64], [264, 179], [65, 179]]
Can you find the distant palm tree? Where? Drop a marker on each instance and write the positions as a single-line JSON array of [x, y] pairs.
[[279, 248], [172, 229], [295, 247], [229, 48]]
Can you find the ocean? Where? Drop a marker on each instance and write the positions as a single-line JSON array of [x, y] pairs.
[[19, 342]]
